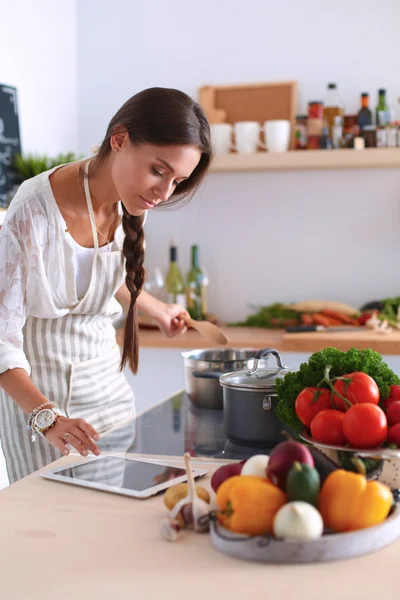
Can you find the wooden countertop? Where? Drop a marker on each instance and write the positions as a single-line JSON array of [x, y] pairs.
[[248, 337], [60, 541]]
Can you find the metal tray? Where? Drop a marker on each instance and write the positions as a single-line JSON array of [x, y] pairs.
[[384, 463], [337, 546]]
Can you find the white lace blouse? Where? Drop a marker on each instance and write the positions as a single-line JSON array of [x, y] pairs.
[[37, 266]]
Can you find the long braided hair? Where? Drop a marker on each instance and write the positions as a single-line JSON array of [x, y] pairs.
[[162, 117]]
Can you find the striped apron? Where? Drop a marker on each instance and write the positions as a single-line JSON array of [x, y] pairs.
[[75, 364]]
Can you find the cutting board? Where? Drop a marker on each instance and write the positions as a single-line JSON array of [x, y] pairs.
[[315, 341]]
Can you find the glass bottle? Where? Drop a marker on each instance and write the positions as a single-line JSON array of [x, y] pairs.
[[381, 130], [381, 107], [364, 116], [337, 132], [196, 288], [333, 106], [174, 280], [391, 130]]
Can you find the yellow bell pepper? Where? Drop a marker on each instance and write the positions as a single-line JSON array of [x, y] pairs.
[[348, 501], [248, 504]]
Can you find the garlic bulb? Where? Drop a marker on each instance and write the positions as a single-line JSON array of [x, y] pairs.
[[256, 465], [191, 511], [298, 520]]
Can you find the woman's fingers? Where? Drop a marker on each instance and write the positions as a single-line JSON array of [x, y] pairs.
[[86, 443], [74, 441], [88, 429], [76, 432]]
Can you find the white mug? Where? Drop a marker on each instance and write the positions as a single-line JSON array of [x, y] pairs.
[[247, 136], [277, 135], [221, 135]]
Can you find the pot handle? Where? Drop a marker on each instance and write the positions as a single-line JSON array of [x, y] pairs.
[[265, 352], [206, 374]]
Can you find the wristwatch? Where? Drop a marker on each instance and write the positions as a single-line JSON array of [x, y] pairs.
[[43, 420]]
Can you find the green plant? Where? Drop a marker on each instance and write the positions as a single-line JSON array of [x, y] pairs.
[[29, 165]]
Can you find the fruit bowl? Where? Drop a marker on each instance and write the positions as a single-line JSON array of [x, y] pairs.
[[331, 546], [382, 464]]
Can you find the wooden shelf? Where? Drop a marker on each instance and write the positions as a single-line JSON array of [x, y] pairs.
[[302, 160]]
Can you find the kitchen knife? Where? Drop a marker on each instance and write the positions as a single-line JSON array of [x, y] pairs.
[[310, 328]]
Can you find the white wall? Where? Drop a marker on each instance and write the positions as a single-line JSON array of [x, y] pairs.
[[38, 56], [265, 236]]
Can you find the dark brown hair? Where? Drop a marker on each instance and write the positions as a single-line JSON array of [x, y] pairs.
[[162, 117]]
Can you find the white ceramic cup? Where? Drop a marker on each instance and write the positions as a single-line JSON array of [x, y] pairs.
[[247, 136], [221, 135], [277, 135]]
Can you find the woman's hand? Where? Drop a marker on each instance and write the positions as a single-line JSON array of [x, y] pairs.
[[167, 319], [76, 432]]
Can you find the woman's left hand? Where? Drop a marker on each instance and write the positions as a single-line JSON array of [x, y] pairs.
[[167, 320]]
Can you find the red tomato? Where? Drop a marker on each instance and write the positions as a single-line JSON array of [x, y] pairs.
[[393, 413], [358, 388], [310, 402], [365, 426], [394, 392], [388, 402], [327, 427], [394, 435]]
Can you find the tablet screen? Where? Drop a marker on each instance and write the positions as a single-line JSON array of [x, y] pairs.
[[120, 472]]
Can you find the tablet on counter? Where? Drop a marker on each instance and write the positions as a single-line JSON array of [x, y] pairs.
[[135, 477]]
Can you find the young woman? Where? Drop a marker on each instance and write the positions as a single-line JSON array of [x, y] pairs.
[[71, 237]]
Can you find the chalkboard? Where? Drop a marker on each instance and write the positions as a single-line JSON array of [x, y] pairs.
[[10, 142]]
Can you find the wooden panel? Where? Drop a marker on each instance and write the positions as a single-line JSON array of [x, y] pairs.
[[251, 102]]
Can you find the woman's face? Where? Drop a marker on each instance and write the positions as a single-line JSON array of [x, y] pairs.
[[146, 175]]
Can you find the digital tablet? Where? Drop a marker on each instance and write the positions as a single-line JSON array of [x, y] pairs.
[[134, 477]]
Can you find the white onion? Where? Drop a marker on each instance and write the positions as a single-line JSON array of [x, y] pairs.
[[298, 520], [256, 465]]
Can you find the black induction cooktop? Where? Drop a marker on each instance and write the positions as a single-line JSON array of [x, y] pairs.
[[176, 426]]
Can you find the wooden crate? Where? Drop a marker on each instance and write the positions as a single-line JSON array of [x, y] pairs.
[[251, 102]]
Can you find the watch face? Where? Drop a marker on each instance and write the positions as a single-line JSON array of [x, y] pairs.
[[44, 418]]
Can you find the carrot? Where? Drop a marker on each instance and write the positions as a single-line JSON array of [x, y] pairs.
[[306, 319], [319, 319], [338, 316]]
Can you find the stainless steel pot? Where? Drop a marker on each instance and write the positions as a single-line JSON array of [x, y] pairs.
[[203, 368], [249, 402]]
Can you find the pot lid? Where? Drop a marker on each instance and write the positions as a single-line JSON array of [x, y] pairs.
[[259, 377]]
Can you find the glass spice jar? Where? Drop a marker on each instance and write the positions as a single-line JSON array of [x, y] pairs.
[[315, 122], [301, 132]]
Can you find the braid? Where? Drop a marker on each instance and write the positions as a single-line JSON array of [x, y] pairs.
[[135, 274]]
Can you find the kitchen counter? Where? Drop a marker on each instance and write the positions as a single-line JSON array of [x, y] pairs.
[[248, 337], [61, 541]]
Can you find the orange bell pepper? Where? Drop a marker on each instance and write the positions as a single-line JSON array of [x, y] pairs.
[[248, 504], [348, 501]]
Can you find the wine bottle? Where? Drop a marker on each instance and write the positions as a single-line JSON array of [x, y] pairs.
[[381, 107], [364, 116], [196, 288], [174, 280]]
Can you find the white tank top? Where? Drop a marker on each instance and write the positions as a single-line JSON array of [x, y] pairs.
[[84, 261], [83, 266]]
